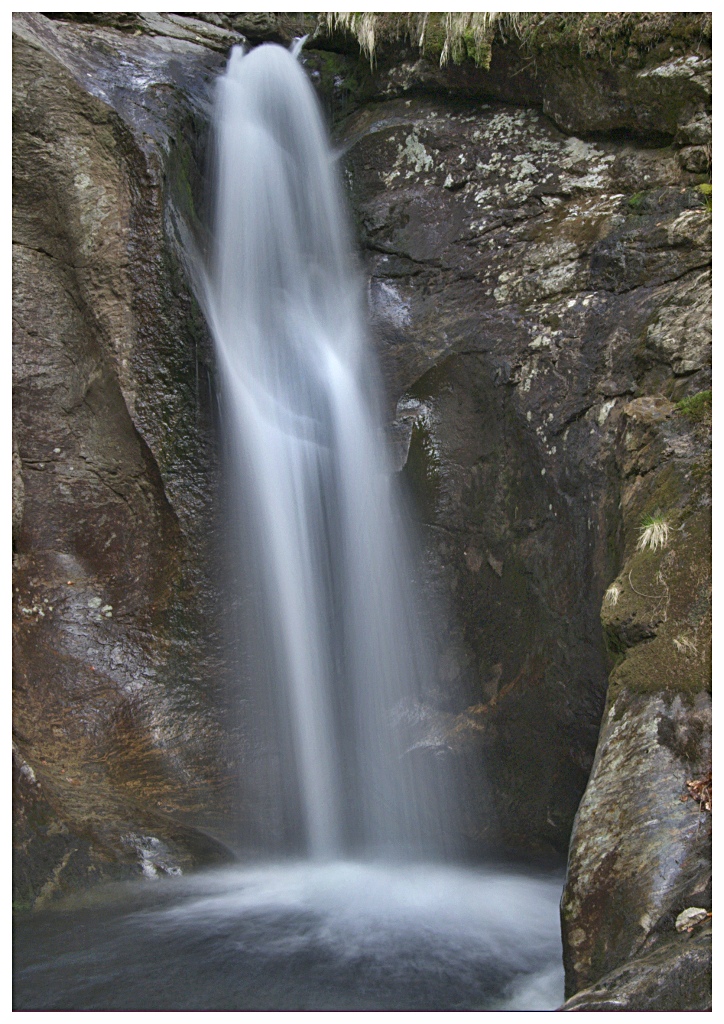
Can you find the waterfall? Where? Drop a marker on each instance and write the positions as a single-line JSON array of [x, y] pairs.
[[348, 775], [334, 652]]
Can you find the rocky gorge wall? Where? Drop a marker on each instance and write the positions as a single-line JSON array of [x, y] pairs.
[[537, 239], [116, 645]]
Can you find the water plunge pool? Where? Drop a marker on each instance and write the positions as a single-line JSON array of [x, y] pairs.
[[301, 936]]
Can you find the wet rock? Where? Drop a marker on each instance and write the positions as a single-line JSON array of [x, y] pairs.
[[647, 846], [190, 29], [675, 977], [517, 317], [18, 492], [114, 460], [263, 27]]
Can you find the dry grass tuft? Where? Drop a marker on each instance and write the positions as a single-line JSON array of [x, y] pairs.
[[700, 790], [654, 534], [372, 29], [458, 35], [685, 645]]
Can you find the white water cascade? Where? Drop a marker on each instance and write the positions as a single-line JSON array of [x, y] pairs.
[[372, 912], [330, 628]]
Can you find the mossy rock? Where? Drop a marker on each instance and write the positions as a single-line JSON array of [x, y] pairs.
[[696, 408], [705, 191], [659, 630]]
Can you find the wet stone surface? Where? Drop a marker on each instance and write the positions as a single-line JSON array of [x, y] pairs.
[[524, 286], [117, 651]]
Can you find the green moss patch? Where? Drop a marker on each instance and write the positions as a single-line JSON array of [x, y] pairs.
[[666, 596], [655, 667], [705, 190], [696, 408], [617, 37]]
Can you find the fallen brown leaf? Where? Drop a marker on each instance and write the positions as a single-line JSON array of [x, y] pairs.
[[700, 791]]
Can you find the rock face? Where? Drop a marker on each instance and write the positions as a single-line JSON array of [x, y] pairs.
[[117, 738], [537, 238], [677, 976], [514, 272], [654, 752]]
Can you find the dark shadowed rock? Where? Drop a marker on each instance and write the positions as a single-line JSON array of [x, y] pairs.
[[522, 290]]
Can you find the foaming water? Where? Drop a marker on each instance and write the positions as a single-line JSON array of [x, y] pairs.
[[303, 936], [329, 625]]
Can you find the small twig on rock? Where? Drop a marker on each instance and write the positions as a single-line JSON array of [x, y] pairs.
[[655, 597]]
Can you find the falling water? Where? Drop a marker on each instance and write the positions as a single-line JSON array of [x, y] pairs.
[[374, 914], [333, 629]]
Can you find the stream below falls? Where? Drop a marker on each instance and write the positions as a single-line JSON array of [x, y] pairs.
[[301, 936]]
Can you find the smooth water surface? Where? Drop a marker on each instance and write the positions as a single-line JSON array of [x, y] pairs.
[[301, 936]]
